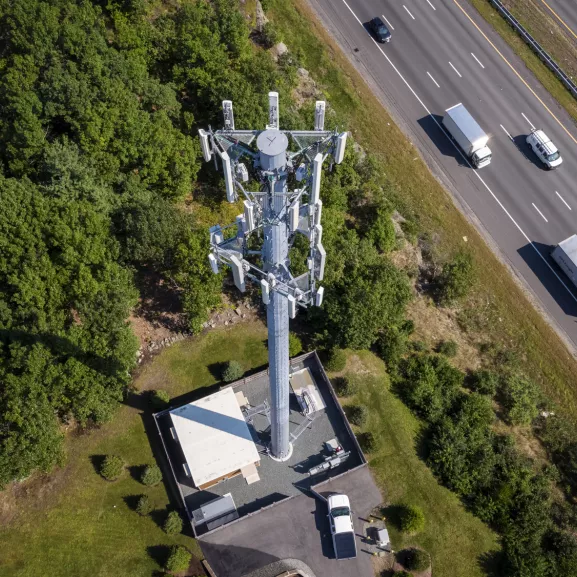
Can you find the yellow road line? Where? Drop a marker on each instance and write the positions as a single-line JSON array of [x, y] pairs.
[[559, 18], [515, 71]]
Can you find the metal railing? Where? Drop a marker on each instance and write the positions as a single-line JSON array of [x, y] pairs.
[[536, 47]]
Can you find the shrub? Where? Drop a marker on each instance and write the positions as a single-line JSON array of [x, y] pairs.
[[173, 524], [430, 384], [419, 346], [151, 475], [367, 442], [143, 505], [179, 559], [519, 397], [392, 345], [357, 414], [447, 348], [411, 519], [295, 345], [269, 35], [456, 279], [159, 399], [336, 360], [232, 372], [400, 574], [484, 382], [343, 386], [382, 230], [416, 559], [112, 467]]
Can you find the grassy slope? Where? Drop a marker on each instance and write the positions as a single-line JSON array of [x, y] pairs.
[[505, 316], [548, 32], [79, 525], [456, 539]]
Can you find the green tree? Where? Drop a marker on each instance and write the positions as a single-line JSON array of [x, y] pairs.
[[151, 475], [112, 467], [416, 559], [447, 348], [456, 279], [412, 519], [143, 505], [357, 414], [173, 524], [232, 372], [484, 382], [336, 361], [519, 397], [179, 559], [295, 345]]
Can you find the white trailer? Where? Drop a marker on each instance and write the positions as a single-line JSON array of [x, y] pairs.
[[470, 137], [565, 255]]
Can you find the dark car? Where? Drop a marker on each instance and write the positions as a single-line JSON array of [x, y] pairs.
[[381, 32]]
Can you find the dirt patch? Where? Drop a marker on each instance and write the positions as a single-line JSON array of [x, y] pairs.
[[306, 89], [433, 324]]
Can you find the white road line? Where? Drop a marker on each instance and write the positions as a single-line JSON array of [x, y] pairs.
[[564, 201], [390, 25], [535, 207], [505, 130], [429, 1], [480, 64], [407, 12], [527, 120], [455, 70], [466, 160], [431, 77]]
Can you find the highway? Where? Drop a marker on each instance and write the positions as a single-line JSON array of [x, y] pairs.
[[443, 53], [565, 12]]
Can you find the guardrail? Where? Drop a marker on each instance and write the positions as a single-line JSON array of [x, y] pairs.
[[536, 47]]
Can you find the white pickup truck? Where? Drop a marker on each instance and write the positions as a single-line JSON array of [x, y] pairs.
[[342, 529]]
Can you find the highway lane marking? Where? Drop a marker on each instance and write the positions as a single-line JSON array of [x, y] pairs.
[[431, 5], [408, 12], [564, 201], [431, 77], [460, 152], [559, 18], [480, 63], [528, 121], [390, 25], [455, 70], [516, 73], [505, 130], [535, 207]]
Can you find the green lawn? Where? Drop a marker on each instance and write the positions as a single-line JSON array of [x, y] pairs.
[[455, 538], [73, 523]]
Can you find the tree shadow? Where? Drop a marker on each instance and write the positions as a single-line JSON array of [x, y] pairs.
[[136, 471], [492, 563], [393, 515], [216, 370], [131, 501], [159, 553], [97, 461], [159, 516]]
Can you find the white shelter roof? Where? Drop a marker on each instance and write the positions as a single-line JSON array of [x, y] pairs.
[[214, 436]]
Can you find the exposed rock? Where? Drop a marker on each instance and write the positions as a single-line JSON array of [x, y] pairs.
[[261, 18], [302, 72], [278, 50], [237, 311]]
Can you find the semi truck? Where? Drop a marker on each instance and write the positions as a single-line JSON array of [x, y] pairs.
[[565, 255], [342, 529], [470, 137]]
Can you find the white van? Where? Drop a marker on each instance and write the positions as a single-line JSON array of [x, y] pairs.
[[547, 152]]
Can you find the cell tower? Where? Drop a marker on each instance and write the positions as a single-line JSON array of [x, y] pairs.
[[285, 168]]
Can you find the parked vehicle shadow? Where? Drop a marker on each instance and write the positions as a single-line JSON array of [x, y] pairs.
[[431, 125], [526, 151], [565, 299], [322, 525]]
